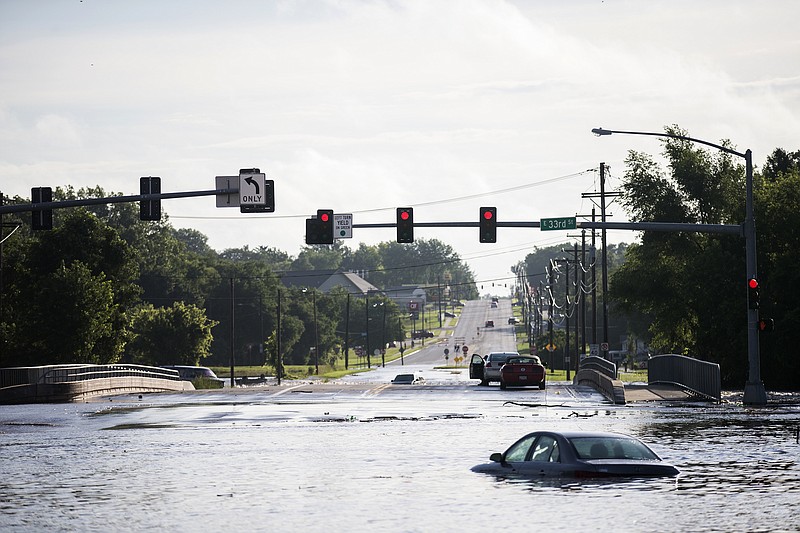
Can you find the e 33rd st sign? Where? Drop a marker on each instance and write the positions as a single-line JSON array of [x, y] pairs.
[[550, 224]]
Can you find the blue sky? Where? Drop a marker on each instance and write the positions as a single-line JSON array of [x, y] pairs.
[[363, 106]]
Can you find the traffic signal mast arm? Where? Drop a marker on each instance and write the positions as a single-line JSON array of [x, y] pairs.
[[728, 229], [21, 208]]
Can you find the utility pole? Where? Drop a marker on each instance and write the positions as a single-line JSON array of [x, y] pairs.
[[578, 319], [233, 330], [566, 316], [278, 361], [550, 314], [604, 265], [347, 333], [366, 313], [439, 287], [316, 333], [594, 281], [583, 298], [605, 258]]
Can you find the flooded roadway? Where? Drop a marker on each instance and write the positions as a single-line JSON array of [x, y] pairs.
[[361, 455]]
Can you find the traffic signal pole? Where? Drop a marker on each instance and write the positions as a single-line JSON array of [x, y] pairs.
[[754, 392]]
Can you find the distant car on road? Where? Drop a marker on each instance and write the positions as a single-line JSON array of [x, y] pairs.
[[493, 305], [421, 334], [512, 320], [489, 323], [200, 376], [577, 454], [487, 368], [407, 379], [449, 315], [523, 371]]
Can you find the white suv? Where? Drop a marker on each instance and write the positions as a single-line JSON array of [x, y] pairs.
[[492, 364]]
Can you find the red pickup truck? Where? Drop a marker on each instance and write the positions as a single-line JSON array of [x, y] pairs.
[[523, 371]]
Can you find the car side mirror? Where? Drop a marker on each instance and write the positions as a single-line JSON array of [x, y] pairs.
[[496, 457]]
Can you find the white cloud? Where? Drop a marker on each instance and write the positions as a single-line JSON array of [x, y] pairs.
[[356, 105]]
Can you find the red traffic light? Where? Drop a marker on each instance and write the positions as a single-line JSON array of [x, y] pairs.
[[753, 296], [405, 225], [324, 217], [487, 224]]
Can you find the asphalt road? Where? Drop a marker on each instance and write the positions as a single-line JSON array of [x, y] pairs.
[[470, 330]]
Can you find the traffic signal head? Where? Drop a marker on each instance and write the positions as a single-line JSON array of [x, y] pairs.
[[405, 224], [487, 224], [766, 325], [320, 230], [150, 209], [752, 293], [43, 218]]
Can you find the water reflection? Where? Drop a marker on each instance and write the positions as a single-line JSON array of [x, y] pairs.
[[389, 462], [570, 484]]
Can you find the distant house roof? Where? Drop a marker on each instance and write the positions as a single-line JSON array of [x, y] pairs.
[[306, 278], [406, 292], [325, 280]]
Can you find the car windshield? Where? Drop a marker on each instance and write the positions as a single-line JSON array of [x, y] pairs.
[[612, 448], [404, 378]]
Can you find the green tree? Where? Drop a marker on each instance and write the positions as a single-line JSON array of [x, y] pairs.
[[244, 296], [179, 334], [778, 225], [77, 319], [683, 281], [69, 291], [320, 257]]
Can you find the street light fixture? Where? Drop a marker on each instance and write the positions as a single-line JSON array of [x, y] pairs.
[[754, 392]]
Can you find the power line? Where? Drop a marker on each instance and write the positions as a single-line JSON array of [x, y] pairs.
[[420, 204]]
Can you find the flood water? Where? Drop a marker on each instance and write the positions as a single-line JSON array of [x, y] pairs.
[[376, 458]]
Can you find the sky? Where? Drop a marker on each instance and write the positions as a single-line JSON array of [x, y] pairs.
[[366, 106]]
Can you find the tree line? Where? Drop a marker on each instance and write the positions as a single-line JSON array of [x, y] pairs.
[[686, 293], [103, 287]]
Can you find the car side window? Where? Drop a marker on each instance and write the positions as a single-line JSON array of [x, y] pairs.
[[544, 449], [519, 450]]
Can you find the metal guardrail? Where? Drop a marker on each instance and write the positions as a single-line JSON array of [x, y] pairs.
[[698, 377], [52, 374]]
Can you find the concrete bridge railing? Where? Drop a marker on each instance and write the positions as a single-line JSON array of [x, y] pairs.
[[65, 383], [602, 375]]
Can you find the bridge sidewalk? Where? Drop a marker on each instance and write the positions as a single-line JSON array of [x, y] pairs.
[[653, 393]]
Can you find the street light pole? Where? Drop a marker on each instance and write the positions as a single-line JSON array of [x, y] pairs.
[[366, 316], [316, 333], [316, 329], [754, 392]]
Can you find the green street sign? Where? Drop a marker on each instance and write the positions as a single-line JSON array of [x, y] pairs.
[[550, 224]]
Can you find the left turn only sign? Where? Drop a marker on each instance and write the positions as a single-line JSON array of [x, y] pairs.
[[256, 193]]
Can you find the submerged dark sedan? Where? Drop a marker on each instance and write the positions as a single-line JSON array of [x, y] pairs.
[[577, 454]]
